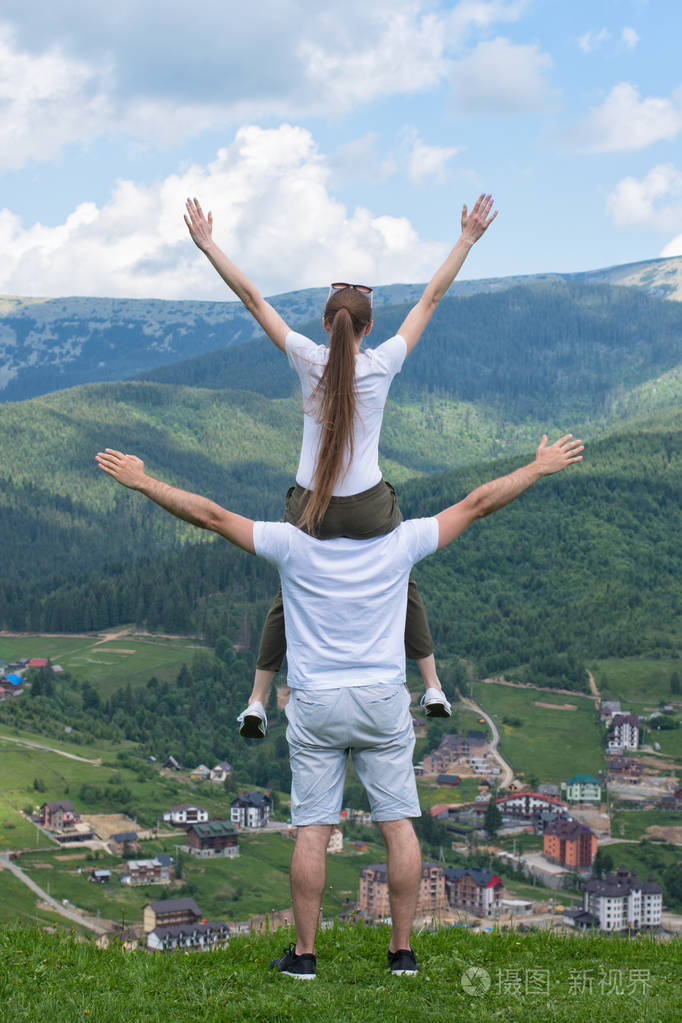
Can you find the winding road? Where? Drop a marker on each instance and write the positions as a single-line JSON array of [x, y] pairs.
[[507, 776], [71, 913]]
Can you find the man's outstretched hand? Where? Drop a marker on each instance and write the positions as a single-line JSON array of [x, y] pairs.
[[474, 224], [555, 457], [125, 469]]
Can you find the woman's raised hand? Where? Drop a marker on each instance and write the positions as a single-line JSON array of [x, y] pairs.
[[200, 227], [480, 218]]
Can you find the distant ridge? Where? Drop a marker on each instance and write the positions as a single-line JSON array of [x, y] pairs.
[[49, 344]]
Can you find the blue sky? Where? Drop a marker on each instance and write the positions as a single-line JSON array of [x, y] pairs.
[[333, 141]]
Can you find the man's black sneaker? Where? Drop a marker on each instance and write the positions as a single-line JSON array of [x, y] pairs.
[[403, 962], [302, 967]]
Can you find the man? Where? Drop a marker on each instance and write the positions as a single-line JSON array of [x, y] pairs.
[[344, 604]]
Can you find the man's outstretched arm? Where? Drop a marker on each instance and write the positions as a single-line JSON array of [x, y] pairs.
[[129, 471], [490, 497]]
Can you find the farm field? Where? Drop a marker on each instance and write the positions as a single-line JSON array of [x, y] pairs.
[[636, 681], [107, 660], [550, 744]]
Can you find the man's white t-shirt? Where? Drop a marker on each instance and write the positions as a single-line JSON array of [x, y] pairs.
[[374, 371], [345, 601]]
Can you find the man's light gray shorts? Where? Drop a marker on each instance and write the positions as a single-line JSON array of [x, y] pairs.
[[371, 723]]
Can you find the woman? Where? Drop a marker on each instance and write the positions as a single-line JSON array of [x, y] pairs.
[[339, 489]]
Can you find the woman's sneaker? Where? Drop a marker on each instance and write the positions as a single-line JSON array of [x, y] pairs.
[[435, 704], [302, 967], [403, 963], [253, 722]]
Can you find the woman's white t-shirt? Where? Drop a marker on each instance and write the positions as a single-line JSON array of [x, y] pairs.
[[374, 371]]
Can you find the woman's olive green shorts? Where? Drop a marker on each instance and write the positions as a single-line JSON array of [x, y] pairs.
[[374, 512]]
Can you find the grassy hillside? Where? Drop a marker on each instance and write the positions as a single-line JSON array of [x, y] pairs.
[[527, 977]]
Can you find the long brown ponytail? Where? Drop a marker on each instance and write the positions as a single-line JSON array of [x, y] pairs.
[[348, 313]]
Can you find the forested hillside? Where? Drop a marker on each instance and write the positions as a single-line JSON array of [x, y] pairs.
[[543, 351], [586, 565]]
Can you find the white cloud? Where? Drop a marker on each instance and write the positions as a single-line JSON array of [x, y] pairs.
[[46, 101], [593, 40], [653, 201], [673, 248], [629, 38], [124, 70], [424, 161], [404, 53], [469, 15], [501, 77], [274, 215], [626, 122]]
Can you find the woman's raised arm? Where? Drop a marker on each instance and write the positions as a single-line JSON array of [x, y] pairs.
[[201, 232], [474, 224]]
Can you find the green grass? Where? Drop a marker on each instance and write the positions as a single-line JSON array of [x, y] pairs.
[[640, 681], [63, 777], [633, 823], [104, 664], [430, 795], [19, 906], [550, 744], [532, 977]]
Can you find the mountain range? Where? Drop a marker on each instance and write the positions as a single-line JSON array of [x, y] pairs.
[[599, 355], [52, 344]]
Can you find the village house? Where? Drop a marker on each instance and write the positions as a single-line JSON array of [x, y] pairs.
[[528, 806], [251, 811], [185, 814], [199, 937], [447, 779], [454, 749], [156, 871], [622, 901], [171, 764], [373, 899], [607, 709], [582, 788], [220, 772], [124, 842], [11, 685], [100, 876], [169, 913], [58, 815], [200, 773], [477, 891], [624, 769], [335, 844], [569, 843], [624, 733], [212, 838]]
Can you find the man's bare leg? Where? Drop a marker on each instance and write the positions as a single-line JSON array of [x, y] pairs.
[[404, 869], [308, 877]]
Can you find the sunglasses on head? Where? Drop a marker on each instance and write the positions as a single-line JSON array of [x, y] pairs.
[[362, 288]]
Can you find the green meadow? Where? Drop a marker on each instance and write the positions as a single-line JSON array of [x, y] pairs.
[[108, 661], [637, 682], [464, 978], [549, 744]]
